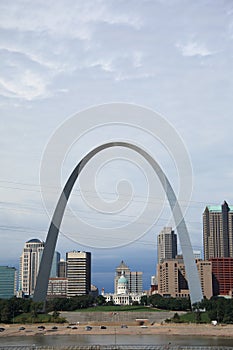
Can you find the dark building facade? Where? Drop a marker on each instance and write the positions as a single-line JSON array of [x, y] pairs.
[[62, 269], [78, 273], [222, 271]]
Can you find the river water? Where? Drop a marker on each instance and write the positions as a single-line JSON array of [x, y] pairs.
[[81, 339]]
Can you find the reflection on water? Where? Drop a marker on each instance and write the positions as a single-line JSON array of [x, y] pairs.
[[83, 339]]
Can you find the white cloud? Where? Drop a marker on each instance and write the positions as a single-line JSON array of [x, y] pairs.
[[35, 56], [63, 19], [194, 49], [26, 85], [45, 40], [135, 76], [105, 65]]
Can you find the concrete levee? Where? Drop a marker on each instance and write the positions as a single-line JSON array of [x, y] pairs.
[[116, 317]]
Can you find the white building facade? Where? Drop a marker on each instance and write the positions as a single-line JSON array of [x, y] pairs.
[[29, 265], [122, 296]]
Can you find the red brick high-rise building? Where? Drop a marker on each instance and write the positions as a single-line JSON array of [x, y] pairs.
[[222, 270]]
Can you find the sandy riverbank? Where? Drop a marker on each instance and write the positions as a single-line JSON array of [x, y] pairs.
[[172, 329]]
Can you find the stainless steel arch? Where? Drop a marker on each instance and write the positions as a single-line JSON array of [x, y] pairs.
[[50, 244]]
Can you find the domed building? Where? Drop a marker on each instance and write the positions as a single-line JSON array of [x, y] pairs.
[[134, 278], [123, 296], [122, 285]]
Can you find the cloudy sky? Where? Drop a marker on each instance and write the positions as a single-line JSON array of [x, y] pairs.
[[61, 57]]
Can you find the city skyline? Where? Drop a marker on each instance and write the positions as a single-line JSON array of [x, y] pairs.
[[166, 231], [166, 250], [156, 54]]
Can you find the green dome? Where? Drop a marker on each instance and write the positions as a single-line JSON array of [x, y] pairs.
[[122, 280]]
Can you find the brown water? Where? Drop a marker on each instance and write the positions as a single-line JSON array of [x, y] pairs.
[[68, 340]]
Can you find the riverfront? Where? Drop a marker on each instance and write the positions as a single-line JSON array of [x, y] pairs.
[[183, 330], [129, 328]]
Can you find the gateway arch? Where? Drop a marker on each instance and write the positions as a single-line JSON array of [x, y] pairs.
[[51, 240]]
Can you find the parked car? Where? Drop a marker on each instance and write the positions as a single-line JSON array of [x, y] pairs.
[[103, 327], [54, 328], [41, 327], [74, 327], [2, 329], [21, 328], [124, 326], [88, 328]]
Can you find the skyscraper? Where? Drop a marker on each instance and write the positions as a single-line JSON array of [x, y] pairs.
[[62, 268], [218, 231], [172, 279], [78, 273], [166, 244], [222, 269], [8, 279], [54, 268], [29, 265]]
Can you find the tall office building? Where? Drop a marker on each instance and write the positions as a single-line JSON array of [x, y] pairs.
[[78, 273], [166, 244], [218, 231], [222, 270], [172, 280], [8, 280], [55, 265], [62, 268], [134, 278], [29, 265], [135, 282], [204, 269]]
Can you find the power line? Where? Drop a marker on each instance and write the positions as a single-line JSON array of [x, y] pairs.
[[93, 236], [93, 216], [78, 192]]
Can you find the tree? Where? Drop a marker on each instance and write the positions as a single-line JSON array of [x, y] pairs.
[[35, 308], [6, 314], [176, 317], [169, 303], [144, 300], [197, 316], [100, 300], [155, 300]]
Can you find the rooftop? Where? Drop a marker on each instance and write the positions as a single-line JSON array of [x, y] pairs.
[[218, 208], [122, 266], [34, 240]]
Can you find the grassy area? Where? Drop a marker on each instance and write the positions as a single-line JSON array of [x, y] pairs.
[[190, 317], [114, 308], [40, 318]]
